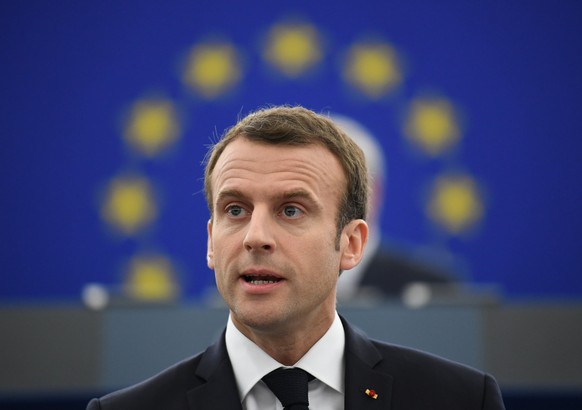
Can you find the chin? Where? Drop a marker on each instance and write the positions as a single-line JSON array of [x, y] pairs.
[[260, 319]]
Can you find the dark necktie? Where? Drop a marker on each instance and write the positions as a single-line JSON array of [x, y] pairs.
[[290, 387]]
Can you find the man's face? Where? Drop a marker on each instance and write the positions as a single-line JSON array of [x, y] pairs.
[[272, 238]]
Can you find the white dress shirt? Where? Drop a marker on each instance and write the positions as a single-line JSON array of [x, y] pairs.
[[325, 361]]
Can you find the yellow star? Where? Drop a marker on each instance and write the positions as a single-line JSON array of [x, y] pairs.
[[212, 69], [431, 124], [129, 204], [373, 69], [455, 203], [293, 48], [151, 278], [152, 126]]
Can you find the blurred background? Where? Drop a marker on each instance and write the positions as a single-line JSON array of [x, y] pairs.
[[108, 109]]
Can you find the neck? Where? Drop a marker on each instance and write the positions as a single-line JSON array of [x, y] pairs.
[[288, 344]]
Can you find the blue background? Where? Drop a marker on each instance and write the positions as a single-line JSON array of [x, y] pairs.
[[70, 69]]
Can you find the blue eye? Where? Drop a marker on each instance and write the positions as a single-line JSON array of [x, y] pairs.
[[235, 210], [292, 212]]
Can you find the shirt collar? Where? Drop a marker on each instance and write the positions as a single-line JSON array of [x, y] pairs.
[[325, 359]]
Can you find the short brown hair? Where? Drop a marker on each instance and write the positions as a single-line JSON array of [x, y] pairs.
[[286, 125]]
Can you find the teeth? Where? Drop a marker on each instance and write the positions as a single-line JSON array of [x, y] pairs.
[[262, 282], [258, 280]]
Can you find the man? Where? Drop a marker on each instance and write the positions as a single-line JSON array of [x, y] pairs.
[[287, 192]]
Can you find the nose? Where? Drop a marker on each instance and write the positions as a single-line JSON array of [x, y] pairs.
[[259, 236]]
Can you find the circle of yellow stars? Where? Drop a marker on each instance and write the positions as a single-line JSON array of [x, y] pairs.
[[212, 69]]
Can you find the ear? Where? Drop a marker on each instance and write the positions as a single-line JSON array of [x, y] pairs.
[[354, 239], [210, 247]]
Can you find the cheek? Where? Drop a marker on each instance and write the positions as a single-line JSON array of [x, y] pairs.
[[324, 257], [221, 277], [219, 282], [224, 254]]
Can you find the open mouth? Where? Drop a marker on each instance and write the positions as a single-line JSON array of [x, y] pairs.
[[261, 280]]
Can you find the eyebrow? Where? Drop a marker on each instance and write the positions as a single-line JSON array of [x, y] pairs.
[[229, 193], [283, 196], [298, 193]]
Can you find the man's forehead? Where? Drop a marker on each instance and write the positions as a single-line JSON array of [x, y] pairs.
[[249, 152], [291, 169]]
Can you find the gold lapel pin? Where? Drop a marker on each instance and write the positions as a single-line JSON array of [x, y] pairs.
[[371, 393]]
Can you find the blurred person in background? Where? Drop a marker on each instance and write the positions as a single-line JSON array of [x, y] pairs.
[[383, 272]]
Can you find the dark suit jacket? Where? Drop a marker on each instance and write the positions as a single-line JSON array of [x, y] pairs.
[[404, 379]]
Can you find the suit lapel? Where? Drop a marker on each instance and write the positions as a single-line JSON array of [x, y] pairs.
[[219, 391], [361, 359]]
